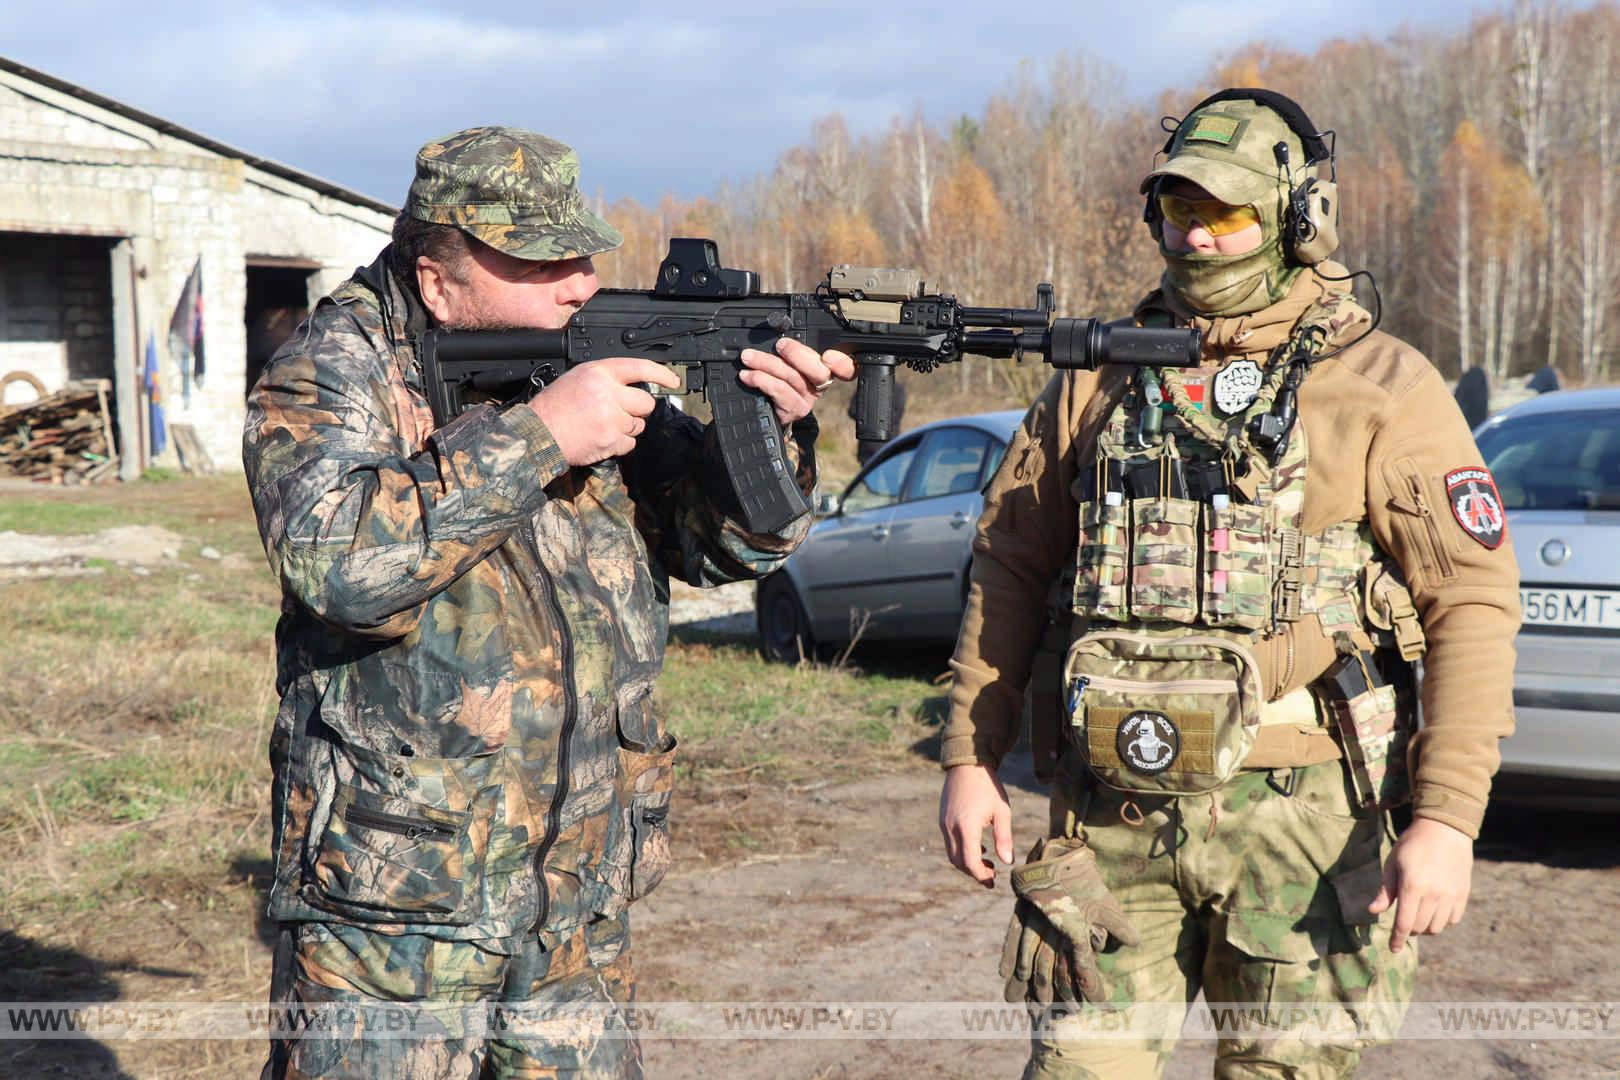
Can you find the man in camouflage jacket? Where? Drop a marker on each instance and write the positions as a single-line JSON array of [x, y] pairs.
[[470, 780]]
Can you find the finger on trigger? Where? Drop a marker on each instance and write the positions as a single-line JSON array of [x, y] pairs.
[[634, 369], [637, 402], [663, 376]]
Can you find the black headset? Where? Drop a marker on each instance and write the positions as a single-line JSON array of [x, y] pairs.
[[1310, 225]]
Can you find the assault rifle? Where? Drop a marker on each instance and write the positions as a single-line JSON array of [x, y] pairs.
[[700, 316]]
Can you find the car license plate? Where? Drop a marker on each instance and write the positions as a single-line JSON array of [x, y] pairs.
[[1591, 609]]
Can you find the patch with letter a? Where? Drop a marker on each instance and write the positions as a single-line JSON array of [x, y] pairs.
[[1236, 386], [1477, 505], [1147, 742]]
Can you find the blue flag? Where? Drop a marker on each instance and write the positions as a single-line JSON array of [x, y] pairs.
[[157, 432]]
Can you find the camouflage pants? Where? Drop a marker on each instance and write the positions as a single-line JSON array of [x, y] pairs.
[[1257, 894], [339, 964]]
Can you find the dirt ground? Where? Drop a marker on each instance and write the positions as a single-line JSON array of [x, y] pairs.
[[864, 909], [842, 894], [870, 912]]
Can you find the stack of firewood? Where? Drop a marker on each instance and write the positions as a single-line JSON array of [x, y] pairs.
[[63, 438]]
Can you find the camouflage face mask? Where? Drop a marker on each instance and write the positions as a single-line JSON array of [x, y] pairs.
[[1232, 284]]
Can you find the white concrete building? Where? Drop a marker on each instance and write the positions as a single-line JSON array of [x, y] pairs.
[[105, 209]]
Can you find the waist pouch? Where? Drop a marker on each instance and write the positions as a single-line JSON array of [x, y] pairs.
[[1172, 714]]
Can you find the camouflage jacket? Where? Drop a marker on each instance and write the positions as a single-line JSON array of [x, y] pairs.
[[469, 634]]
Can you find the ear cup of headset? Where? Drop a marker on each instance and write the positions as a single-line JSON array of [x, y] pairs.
[[1312, 233], [1152, 215]]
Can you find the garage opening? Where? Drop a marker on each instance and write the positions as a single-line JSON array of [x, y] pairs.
[[278, 292], [56, 312]]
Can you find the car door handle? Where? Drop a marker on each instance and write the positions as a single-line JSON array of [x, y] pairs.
[[959, 519], [880, 532]]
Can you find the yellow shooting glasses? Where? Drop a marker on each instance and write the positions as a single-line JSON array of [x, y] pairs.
[[1217, 218]]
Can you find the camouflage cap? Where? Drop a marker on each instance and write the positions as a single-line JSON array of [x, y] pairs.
[[513, 189], [1228, 149]]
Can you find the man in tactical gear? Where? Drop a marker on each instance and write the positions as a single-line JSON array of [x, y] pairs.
[[1245, 560], [471, 784]]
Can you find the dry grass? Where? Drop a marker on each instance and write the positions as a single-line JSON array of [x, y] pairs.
[[133, 726]]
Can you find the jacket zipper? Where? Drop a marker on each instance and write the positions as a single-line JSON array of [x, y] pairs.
[[413, 828], [1245, 657], [1172, 686], [570, 718], [1419, 506], [1225, 644]]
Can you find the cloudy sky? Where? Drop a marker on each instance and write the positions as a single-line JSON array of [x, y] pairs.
[[657, 97]]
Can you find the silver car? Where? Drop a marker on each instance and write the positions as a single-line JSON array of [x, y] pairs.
[[888, 559], [1556, 459]]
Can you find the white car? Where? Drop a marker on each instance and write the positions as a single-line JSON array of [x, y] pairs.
[[1556, 460]]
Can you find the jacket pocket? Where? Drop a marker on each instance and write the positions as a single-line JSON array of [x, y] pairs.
[[387, 858], [646, 786], [636, 851], [1417, 518]]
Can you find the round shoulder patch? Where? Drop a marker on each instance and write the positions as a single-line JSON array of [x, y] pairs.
[[1236, 386], [1477, 505], [1148, 742]]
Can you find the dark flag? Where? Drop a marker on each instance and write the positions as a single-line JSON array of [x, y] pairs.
[[186, 333]]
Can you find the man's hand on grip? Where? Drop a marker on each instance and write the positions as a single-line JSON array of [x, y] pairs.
[[596, 411]]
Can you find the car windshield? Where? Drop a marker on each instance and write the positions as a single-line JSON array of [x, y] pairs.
[[1556, 461]]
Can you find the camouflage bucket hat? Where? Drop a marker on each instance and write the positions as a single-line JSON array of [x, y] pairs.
[[1227, 148], [513, 189]]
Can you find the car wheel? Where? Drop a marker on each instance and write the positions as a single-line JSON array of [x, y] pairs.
[[784, 628]]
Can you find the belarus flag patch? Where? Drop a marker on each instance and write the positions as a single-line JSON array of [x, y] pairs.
[[1477, 505]]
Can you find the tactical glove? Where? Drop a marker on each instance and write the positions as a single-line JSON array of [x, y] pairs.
[[1064, 915]]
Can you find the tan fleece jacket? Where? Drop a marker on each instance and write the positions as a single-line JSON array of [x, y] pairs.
[[1383, 434]]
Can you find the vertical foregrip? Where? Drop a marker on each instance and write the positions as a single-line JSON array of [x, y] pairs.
[[874, 397], [751, 443]]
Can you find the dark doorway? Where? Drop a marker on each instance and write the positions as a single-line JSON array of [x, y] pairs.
[[277, 301], [56, 308]]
